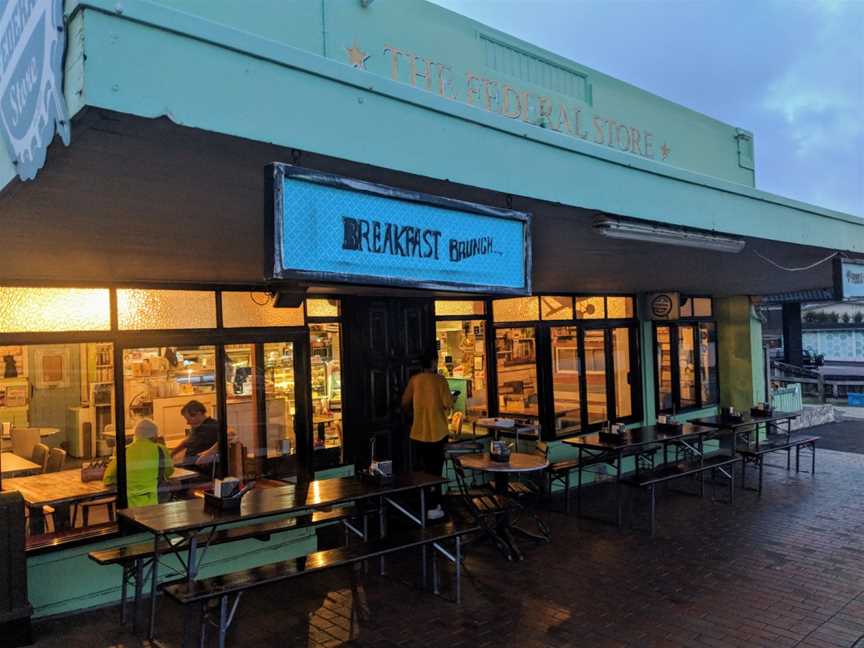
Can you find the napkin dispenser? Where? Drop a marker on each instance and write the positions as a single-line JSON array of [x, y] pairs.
[[499, 451]]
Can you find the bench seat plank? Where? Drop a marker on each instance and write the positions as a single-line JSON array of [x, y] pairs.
[[773, 445], [668, 472], [128, 553], [185, 592]]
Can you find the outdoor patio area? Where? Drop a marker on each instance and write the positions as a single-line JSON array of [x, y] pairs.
[[786, 569]]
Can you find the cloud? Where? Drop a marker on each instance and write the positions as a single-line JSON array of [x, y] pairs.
[[820, 94]]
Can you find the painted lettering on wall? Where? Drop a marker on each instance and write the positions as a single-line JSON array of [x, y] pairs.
[[546, 111], [376, 237]]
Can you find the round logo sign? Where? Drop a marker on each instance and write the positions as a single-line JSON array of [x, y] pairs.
[[661, 306]]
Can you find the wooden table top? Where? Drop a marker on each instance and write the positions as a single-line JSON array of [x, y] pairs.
[[11, 465], [66, 486], [746, 418], [634, 437], [519, 462], [190, 515]]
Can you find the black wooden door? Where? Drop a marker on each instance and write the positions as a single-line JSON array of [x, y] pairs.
[[385, 340]]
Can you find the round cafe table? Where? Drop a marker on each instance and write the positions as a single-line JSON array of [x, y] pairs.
[[520, 462]]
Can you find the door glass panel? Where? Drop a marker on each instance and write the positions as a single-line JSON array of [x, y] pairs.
[[462, 361], [175, 388], [663, 348], [326, 349], [621, 367], [595, 375], [708, 362], [242, 388], [565, 378], [687, 366], [280, 409], [516, 353]]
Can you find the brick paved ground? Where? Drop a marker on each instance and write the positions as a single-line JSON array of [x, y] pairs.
[[786, 569]]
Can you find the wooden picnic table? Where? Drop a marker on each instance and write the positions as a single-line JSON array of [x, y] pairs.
[[11, 465], [65, 486]]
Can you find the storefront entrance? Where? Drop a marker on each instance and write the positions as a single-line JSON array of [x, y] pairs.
[[386, 339]]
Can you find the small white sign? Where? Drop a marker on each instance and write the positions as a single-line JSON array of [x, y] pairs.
[[852, 279]]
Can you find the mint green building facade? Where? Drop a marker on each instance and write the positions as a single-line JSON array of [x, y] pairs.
[[177, 105]]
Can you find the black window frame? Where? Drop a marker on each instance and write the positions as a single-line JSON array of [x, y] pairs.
[[674, 325], [543, 363], [218, 337]]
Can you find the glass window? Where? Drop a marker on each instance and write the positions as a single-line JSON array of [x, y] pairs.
[[462, 361], [590, 308], [686, 307], [326, 348], [165, 309], [595, 376], [621, 368], [54, 309], [708, 363], [566, 370], [158, 382], [556, 308], [517, 309], [255, 309], [663, 349], [701, 306], [687, 367], [516, 356], [246, 452], [446, 307], [280, 409], [57, 412], [322, 307], [619, 307]]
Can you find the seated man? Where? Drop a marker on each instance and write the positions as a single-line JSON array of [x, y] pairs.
[[203, 433], [147, 463]]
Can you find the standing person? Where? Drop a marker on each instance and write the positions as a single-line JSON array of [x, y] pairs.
[[147, 463], [428, 396], [203, 433]]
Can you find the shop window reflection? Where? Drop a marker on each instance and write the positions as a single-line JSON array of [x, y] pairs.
[[595, 376], [556, 308], [462, 361], [456, 307], [708, 363], [621, 368], [325, 344], [516, 356], [516, 309], [56, 416], [256, 309], [566, 369], [590, 308], [53, 309], [687, 366], [140, 309], [619, 307], [663, 348]]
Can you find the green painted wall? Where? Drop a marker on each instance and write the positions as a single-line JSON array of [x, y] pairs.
[[154, 61], [739, 335]]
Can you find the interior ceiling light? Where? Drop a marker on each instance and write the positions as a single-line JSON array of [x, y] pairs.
[[617, 229]]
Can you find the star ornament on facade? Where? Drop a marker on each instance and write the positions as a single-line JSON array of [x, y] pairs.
[[665, 151], [357, 57]]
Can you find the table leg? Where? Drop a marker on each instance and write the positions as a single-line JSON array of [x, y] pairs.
[[618, 503], [154, 578]]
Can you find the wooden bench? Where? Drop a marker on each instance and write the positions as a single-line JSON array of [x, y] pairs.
[[135, 557], [236, 583], [650, 479], [755, 452]]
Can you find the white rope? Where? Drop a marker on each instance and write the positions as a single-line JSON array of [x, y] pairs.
[[802, 268]]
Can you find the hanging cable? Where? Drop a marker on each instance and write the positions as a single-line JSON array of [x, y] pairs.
[[802, 268]]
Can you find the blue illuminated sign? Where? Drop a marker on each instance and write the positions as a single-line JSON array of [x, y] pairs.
[[334, 229]]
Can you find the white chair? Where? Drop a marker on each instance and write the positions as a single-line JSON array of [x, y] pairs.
[[24, 440]]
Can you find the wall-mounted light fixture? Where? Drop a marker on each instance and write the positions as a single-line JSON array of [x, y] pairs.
[[613, 228]]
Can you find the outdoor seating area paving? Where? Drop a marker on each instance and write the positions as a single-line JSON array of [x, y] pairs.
[[783, 569]]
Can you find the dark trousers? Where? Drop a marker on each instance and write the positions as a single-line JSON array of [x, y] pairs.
[[429, 457]]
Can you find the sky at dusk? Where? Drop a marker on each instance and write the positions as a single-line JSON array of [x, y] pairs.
[[790, 71]]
